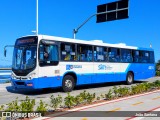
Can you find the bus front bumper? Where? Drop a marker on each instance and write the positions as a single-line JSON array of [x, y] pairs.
[[22, 84]]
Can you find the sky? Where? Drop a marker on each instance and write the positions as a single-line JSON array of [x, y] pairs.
[[60, 17]]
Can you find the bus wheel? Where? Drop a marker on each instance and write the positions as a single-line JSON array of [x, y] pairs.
[[129, 78], [68, 83]]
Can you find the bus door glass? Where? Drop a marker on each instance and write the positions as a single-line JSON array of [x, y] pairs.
[[48, 54]]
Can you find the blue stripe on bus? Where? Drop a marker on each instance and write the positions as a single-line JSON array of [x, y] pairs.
[[50, 82]]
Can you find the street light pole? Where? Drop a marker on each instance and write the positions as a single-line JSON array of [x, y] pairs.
[[37, 17], [76, 29]]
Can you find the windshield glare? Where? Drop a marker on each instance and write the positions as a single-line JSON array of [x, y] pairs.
[[24, 57]]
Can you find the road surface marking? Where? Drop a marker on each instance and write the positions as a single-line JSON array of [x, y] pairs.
[[137, 103], [156, 98], [114, 110], [84, 119]]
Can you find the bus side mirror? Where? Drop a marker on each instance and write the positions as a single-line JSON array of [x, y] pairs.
[[5, 52]]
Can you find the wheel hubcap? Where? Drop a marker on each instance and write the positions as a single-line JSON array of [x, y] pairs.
[[130, 79], [68, 84]]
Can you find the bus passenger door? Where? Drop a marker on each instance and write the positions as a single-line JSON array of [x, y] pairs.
[[49, 71], [85, 59]]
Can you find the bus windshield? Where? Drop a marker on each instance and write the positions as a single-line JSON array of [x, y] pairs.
[[25, 53], [24, 57]]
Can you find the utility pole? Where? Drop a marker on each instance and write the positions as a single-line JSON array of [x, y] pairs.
[[37, 17]]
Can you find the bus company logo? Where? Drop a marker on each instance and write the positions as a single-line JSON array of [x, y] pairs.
[[104, 67], [69, 67]]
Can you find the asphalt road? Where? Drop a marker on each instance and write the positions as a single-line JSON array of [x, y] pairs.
[[8, 94]]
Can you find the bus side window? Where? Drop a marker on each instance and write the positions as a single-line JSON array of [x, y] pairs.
[[53, 54], [105, 54], [50, 53], [84, 53], [126, 55], [136, 56], [110, 55], [41, 57], [68, 52], [145, 57], [151, 57], [98, 54], [114, 54]]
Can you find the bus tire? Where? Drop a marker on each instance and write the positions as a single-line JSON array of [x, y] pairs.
[[129, 78], [68, 83]]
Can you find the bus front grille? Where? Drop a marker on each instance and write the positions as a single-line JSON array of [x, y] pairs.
[[20, 83]]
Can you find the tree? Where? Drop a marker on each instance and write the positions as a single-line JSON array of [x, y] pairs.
[[158, 66]]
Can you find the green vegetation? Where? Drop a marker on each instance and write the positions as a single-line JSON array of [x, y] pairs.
[[42, 107], [2, 108], [115, 91], [109, 95], [27, 105], [98, 98], [7, 81], [69, 100], [158, 68], [156, 84], [13, 106], [157, 73], [56, 101], [78, 100], [90, 97], [83, 98]]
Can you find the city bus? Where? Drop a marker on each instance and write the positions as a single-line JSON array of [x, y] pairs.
[[43, 61]]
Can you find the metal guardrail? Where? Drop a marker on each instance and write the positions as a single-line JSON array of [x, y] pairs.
[[5, 69], [5, 74]]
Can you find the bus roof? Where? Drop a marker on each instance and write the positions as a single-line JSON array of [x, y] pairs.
[[91, 42]]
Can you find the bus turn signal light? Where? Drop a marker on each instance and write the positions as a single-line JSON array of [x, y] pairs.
[[30, 84]]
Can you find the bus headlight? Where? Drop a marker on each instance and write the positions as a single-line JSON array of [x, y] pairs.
[[13, 76], [32, 75]]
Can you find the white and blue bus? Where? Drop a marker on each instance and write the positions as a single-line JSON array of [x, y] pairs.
[[47, 62]]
